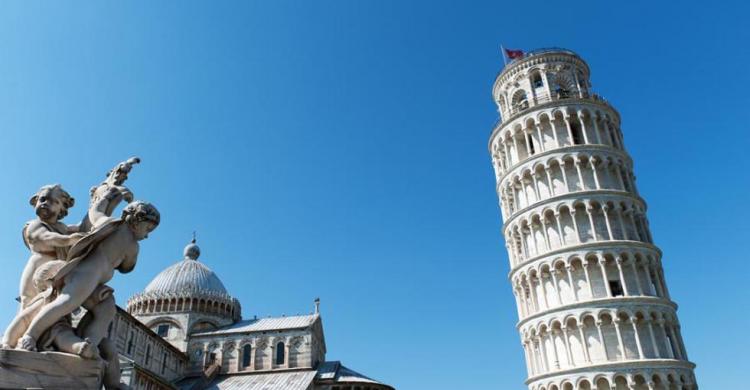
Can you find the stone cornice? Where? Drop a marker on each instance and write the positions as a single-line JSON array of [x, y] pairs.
[[564, 150], [601, 303], [573, 195], [642, 364], [599, 245], [534, 111]]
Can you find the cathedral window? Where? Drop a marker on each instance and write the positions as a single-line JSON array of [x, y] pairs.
[[130, 342], [163, 330], [280, 353], [164, 362], [246, 355], [148, 354]]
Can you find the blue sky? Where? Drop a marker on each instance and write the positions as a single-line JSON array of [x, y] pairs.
[[338, 149]]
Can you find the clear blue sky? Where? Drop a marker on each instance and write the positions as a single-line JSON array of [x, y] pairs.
[[338, 149]]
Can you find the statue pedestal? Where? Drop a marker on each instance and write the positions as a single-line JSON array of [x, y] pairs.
[[48, 370]]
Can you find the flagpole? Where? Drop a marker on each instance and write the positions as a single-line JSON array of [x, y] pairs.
[[502, 49]]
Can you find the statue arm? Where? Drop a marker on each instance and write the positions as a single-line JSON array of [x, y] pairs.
[[74, 228], [126, 193], [41, 234]]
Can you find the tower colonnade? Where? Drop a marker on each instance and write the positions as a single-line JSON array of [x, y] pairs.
[[593, 305]]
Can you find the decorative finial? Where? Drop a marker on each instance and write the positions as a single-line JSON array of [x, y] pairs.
[[317, 305], [192, 251]]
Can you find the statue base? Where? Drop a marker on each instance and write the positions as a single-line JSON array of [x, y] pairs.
[[48, 370]]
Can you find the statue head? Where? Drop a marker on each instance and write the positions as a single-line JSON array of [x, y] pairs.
[[52, 202], [119, 174], [141, 217]]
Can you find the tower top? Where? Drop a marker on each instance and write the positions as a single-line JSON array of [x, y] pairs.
[[539, 77], [536, 54]]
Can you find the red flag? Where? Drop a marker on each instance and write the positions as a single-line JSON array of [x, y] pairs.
[[513, 54]]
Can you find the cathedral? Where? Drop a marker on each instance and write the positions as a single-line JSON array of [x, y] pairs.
[[185, 331]]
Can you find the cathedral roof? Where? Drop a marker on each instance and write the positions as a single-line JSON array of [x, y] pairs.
[[295, 380], [335, 372], [265, 324], [189, 277]]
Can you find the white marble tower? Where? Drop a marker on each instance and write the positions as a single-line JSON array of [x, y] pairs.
[[594, 309]]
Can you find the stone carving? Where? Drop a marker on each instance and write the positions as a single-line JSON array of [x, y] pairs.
[[46, 236], [68, 269], [106, 196]]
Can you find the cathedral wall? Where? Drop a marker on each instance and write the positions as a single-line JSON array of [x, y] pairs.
[[143, 353], [253, 352]]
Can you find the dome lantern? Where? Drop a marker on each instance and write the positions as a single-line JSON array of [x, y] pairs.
[[192, 251]]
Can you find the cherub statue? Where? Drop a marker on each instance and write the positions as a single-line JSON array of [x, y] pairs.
[[106, 196], [46, 236], [113, 244]]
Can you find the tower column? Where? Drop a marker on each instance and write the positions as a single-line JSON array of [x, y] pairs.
[[603, 266], [560, 231], [654, 344], [571, 283], [584, 343], [633, 321]]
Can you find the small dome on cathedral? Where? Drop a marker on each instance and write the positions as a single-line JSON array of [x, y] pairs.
[[187, 277]]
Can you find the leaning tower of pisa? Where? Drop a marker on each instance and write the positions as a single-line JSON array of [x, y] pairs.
[[593, 306]]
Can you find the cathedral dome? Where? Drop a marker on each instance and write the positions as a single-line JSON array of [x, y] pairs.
[[187, 277], [186, 286]]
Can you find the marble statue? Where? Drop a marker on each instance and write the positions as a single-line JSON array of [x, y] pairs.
[[46, 236], [68, 269]]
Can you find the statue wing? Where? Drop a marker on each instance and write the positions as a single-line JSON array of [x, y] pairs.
[[23, 235]]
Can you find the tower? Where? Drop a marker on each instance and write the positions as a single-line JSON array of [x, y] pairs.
[[593, 306]]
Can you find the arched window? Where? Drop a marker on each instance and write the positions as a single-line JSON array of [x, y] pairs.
[[131, 340], [563, 85], [280, 353], [163, 362], [148, 354], [501, 102], [246, 355], [536, 80], [519, 101], [162, 330]]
